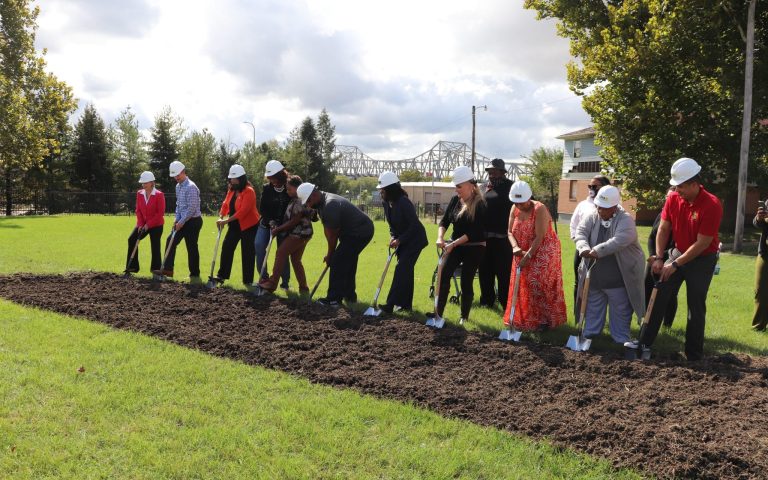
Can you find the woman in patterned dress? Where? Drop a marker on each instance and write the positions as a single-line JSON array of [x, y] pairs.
[[536, 249]]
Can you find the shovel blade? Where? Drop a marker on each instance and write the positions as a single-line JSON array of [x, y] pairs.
[[633, 351], [578, 344], [372, 312], [430, 322], [158, 278], [510, 335], [439, 323]]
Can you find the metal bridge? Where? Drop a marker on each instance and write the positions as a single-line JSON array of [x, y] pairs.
[[439, 161]]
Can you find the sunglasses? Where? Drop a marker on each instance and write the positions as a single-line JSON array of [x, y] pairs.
[[593, 187]]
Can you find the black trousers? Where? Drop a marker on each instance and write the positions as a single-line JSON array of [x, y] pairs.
[[246, 239], [671, 310], [494, 271], [401, 291], [190, 232], [469, 258], [697, 276], [155, 234], [341, 281]]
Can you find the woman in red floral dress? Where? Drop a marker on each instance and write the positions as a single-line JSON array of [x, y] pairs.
[[536, 249]]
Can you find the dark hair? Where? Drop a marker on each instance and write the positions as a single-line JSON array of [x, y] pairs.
[[696, 178], [282, 176], [295, 180], [242, 183], [602, 179], [394, 192]]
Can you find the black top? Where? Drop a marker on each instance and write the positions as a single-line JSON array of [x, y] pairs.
[[405, 225], [762, 248], [337, 212], [474, 230], [498, 203], [652, 239], [273, 204]]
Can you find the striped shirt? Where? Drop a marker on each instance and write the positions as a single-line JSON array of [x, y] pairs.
[[187, 201]]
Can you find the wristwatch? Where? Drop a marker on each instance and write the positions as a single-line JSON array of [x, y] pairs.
[[674, 264]]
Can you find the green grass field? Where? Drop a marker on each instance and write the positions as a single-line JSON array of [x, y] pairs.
[[143, 408]]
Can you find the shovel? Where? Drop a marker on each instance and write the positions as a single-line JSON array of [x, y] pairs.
[[211, 280], [510, 333], [579, 343], [635, 350], [127, 272], [437, 321], [373, 310], [314, 289], [161, 278], [257, 290]]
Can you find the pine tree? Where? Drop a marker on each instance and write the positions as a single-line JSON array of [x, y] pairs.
[[128, 157], [167, 133], [197, 154], [90, 153]]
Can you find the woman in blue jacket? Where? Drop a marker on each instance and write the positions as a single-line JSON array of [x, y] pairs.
[[407, 234]]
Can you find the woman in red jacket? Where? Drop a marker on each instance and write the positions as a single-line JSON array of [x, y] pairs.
[[150, 208], [239, 210]]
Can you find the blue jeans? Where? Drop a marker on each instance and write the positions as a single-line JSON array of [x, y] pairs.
[[262, 239]]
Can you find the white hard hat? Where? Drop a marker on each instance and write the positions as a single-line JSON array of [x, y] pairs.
[[146, 177], [236, 171], [462, 174], [683, 170], [607, 197], [273, 167], [520, 192], [304, 191], [176, 168], [386, 179]]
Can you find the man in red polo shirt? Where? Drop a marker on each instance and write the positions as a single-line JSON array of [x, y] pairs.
[[692, 216]]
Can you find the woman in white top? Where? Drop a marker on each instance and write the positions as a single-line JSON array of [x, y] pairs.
[[583, 209]]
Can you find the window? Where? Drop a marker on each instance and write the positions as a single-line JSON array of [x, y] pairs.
[[577, 149], [573, 190]]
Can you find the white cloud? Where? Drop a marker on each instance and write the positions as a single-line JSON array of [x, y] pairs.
[[395, 76]]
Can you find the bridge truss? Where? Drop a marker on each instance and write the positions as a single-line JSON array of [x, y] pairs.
[[439, 161]]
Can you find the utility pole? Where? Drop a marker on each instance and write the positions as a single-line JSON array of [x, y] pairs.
[[485, 108], [745, 129], [254, 132]]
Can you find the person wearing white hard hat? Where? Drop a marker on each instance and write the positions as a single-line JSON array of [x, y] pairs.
[[608, 237], [240, 212], [298, 231], [347, 232], [150, 208], [494, 270], [187, 223], [273, 202], [407, 235], [584, 208], [692, 216], [466, 212], [536, 251]]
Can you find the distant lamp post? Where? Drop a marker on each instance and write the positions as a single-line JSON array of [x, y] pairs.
[[485, 109], [254, 132]]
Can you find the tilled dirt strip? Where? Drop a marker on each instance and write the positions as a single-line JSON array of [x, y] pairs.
[[706, 419]]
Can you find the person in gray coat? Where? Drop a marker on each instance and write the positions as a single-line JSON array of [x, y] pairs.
[[608, 236]]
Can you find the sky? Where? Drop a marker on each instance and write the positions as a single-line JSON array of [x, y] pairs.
[[395, 77]]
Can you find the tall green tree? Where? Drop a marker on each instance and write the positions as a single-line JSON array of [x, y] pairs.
[[90, 153], [304, 154], [128, 156], [224, 158], [34, 104], [166, 133], [663, 79], [326, 134], [544, 174], [198, 154]]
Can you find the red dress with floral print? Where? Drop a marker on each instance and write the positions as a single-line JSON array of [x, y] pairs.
[[540, 301]]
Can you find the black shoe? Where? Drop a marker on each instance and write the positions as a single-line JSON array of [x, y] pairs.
[[387, 308], [328, 302]]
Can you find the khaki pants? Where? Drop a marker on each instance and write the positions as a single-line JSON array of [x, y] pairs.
[[760, 318]]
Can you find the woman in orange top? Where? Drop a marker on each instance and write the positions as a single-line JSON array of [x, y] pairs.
[[536, 250], [240, 212]]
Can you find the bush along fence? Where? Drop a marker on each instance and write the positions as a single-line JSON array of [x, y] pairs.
[[44, 202]]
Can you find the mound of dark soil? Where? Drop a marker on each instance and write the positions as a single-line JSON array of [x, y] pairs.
[[705, 419]]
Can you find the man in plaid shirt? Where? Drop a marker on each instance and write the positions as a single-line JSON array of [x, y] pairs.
[[187, 223]]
